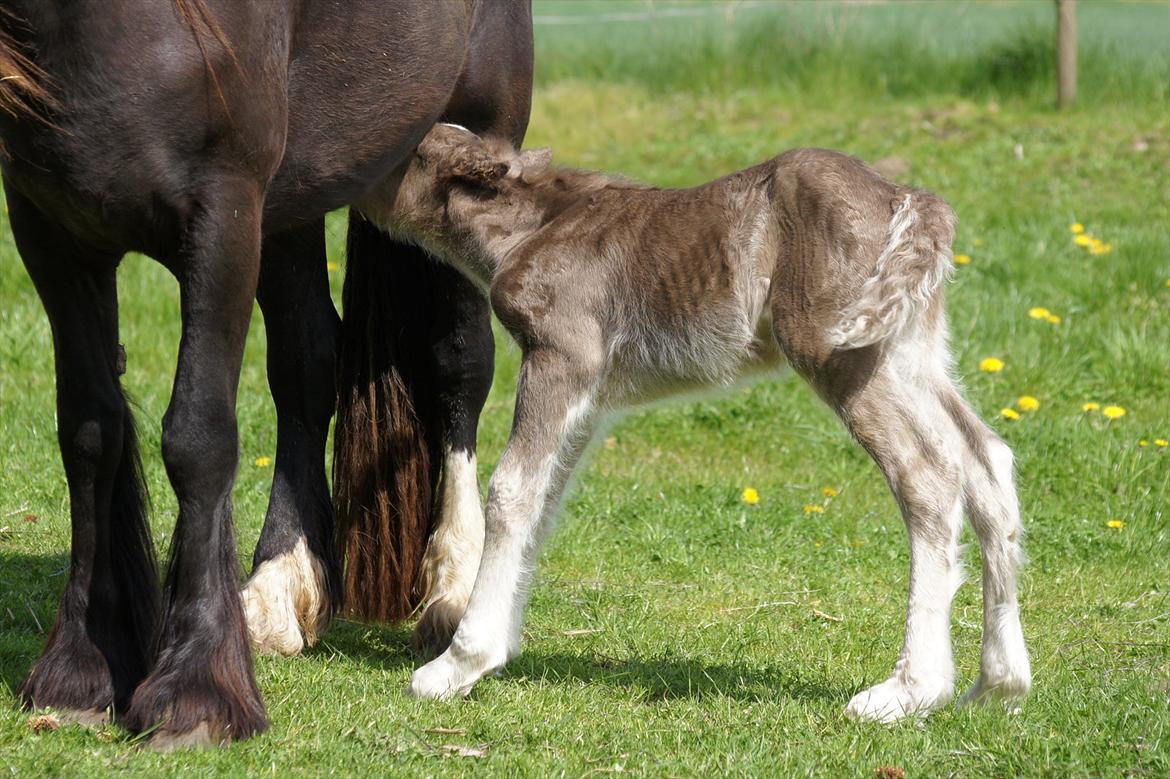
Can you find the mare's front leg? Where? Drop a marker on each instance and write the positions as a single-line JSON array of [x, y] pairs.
[[295, 583], [554, 422], [100, 645], [202, 689], [462, 352]]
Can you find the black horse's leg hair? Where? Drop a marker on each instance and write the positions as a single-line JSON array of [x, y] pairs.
[[462, 360], [99, 647], [295, 583], [202, 689]]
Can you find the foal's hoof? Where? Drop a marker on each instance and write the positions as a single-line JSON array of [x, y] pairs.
[[1010, 691], [201, 736], [893, 700], [442, 679], [432, 635]]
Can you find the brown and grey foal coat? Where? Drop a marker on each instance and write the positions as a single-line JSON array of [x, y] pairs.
[[620, 293]]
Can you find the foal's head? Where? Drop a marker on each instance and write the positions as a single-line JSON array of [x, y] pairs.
[[463, 193]]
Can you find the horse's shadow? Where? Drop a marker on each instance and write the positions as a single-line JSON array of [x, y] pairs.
[[652, 678], [30, 587], [31, 584]]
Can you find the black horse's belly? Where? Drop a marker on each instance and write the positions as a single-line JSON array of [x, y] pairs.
[[364, 87]]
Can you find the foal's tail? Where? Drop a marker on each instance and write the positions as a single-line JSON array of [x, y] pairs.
[[912, 267], [386, 442]]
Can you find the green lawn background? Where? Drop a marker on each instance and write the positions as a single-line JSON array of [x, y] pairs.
[[676, 630]]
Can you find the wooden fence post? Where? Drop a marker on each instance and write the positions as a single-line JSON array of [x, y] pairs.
[[1066, 52]]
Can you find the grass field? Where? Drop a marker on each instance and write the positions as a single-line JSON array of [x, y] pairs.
[[674, 629]]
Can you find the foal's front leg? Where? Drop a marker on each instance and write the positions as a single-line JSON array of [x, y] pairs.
[[554, 422]]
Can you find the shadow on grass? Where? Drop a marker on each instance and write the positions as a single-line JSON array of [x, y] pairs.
[[386, 647], [673, 677], [30, 586], [651, 679]]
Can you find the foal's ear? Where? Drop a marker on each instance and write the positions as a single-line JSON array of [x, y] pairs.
[[475, 165], [530, 162]]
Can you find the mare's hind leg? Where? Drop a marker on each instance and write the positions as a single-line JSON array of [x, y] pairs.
[[202, 689], [554, 422], [294, 587], [99, 647], [989, 495], [889, 402], [463, 354]]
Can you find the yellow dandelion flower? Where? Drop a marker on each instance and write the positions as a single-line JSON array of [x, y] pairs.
[[1161, 443], [813, 508], [332, 267], [1077, 228], [750, 496], [1052, 319], [1090, 407], [1100, 248], [991, 365], [262, 462], [1084, 239], [1116, 524], [977, 242], [1028, 403], [1009, 413], [1168, 282], [1039, 313], [1113, 412], [962, 259], [829, 492], [1143, 442]]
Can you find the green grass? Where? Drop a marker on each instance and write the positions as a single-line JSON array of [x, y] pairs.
[[686, 675]]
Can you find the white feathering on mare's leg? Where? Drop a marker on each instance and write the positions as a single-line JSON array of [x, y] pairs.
[[285, 597], [452, 556]]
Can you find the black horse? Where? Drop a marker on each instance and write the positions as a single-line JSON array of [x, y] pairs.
[[214, 135]]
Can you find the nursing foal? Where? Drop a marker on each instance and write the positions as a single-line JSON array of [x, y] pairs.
[[619, 293]]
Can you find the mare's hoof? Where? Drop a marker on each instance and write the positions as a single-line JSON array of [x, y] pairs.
[[432, 635], [88, 718], [201, 736]]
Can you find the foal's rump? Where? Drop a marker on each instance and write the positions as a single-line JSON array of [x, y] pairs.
[[910, 271], [860, 258]]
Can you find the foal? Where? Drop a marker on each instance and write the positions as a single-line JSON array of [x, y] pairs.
[[619, 293]]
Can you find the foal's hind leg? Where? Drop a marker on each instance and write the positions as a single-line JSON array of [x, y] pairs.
[[890, 408], [463, 354], [202, 689], [99, 647], [989, 495], [294, 585]]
